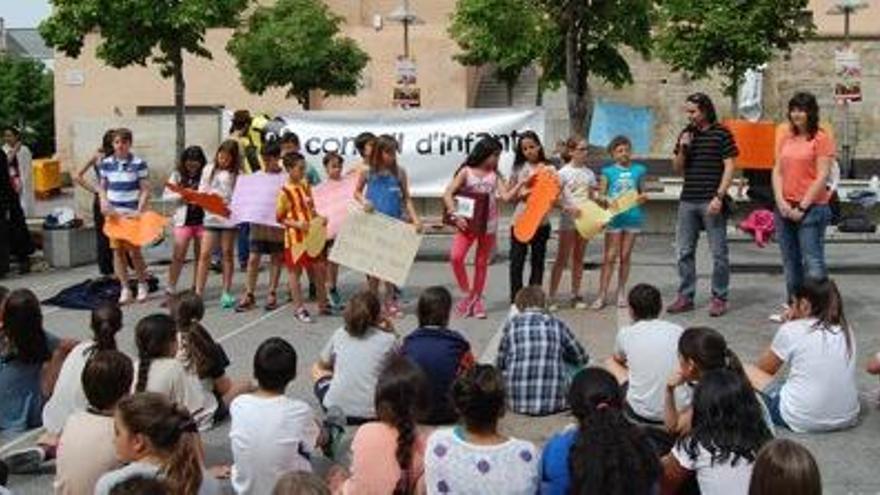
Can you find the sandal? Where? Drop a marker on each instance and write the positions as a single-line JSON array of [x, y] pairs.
[[247, 303], [271, 301]]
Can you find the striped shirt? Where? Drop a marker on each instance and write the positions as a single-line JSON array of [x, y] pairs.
[[121, 179], [295, 203], [704, 162]]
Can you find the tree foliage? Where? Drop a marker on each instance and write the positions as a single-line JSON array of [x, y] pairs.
[[571, 40], [27, 101], [295, 44], [513, 37], [729, 37], [137, 32]]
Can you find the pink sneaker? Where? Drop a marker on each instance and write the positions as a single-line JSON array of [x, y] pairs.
[[464, 307], [717, 307], [478, 309], [681, 305]]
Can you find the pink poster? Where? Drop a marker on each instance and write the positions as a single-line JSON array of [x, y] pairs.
[[255, 197], [332, 200]]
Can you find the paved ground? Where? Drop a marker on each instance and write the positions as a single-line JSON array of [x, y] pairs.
[[847, 459]]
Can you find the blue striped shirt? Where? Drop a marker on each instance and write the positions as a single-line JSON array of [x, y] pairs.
[[121, 178]]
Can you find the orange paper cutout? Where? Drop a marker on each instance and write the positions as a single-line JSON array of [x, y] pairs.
[[137, 230], [756, 142], [544, 191], [212, 203]]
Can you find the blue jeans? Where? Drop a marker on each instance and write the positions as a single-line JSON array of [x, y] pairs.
[[244, 243], [692, 218], [802, 245]]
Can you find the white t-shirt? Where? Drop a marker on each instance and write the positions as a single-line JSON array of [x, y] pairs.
[[651, 351], [357, 363], [453, 465], [820, 391], [68, 396], [717, 478], [576, 183], [168, 376], [269, 437]]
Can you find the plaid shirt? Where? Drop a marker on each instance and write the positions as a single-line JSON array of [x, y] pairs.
[[537, 355]]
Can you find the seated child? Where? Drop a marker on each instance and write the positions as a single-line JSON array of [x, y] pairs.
[[203, 357], [726, 434], [604, 453], [348, 367], [645, 354], [785, 467], [388, 454], [537, 355], [86, 449], [159, 370], [158, 439], [475, 450], [441, 353], [271, 433], [820, 392]]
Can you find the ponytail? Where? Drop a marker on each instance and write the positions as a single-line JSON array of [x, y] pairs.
[[196, 342], [106, 323], [826, 306], [143, 373], [172, 436], [154, 335]]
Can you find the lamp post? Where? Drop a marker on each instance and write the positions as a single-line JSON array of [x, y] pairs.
[[407, 17], [846, 8]]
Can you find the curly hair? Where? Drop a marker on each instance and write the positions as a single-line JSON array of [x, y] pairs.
[[728, 421], [172, 435], [154, 336], [611, 455], [400, 398]]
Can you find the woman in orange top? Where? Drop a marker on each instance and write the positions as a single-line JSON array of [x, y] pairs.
[[804, 156], [296, 211]]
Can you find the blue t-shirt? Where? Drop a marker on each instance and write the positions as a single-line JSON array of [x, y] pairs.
[[621, 180], [385, 193], [122, 177], [555, 475], [440, 353], [21, 399]]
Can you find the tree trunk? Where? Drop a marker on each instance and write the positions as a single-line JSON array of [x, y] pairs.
[[179, 104], [508, 85], [577, 88], [306, 100]]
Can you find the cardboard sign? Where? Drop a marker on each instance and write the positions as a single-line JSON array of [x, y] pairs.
[[756, 142], [544, 191], [313, 244], [592, 220], [211, 203], [255, 198], [377, 245], [138, 230], [332, 201]]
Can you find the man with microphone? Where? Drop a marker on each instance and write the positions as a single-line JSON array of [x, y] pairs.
[[704, 154]]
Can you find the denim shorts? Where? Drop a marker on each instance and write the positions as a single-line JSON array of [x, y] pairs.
[[771, 396]]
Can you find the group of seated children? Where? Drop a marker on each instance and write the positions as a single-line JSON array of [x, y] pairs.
[[674, 411]]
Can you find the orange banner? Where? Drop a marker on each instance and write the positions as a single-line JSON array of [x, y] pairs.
[[756, 142], [211, 203], [137, 230]]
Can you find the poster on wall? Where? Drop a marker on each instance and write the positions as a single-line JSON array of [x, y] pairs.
[[848, 72], [433, 144]]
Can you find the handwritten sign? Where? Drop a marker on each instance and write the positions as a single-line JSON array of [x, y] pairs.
[[138, 230], [377, 245], [212, 203], [332, 200], [592, 220], [255, 197]]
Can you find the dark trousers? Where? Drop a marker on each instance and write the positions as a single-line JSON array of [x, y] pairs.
[[518, 251], [105, 254]]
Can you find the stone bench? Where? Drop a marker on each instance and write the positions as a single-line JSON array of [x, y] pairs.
[[65, 248]]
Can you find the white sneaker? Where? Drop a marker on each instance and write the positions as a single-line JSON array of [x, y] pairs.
[[125, 295], [143, 291], [781, 316]]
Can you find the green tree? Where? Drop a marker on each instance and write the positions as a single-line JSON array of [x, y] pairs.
[[142, 31], [698, 37], [295, 44], [27, 101], [511, 39], [578, 40]]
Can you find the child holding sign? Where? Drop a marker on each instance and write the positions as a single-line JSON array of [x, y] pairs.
[[296, 211], [384, 188], [219, 178], [333, 166], [124, 190], [578, 185], [618, 179]]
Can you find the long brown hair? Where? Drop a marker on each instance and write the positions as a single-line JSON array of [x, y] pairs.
[[826, 306], [196, 342], [172, 435], [230, 147]]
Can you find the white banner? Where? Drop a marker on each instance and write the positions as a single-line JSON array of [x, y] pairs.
[[433, 143]]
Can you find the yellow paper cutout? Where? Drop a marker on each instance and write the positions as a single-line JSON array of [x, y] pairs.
[[314, 242], [624, 202], [592, 219]]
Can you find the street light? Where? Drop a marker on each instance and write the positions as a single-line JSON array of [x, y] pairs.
[[407, 17], [846, 8]]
